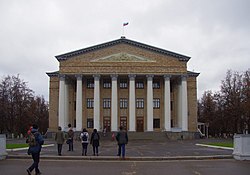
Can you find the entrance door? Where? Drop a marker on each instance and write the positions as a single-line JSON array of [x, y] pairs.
[[107, 123], [123, 122], [139, 124]]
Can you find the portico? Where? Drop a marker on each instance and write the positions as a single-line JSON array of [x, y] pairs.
[[126, 83]]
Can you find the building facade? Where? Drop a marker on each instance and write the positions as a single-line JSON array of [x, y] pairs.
[[123, 83]]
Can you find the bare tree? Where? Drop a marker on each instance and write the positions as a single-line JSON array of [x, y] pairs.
[[227, 111], [19, 108]]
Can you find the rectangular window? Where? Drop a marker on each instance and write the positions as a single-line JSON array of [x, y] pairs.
[[139, 85], [106, 84], [156, 85], [123, 84], [123, 103], [106, 103], [156, 123], [90, 103], [139, 103], [90, 83], [156, 103], [90, 123]]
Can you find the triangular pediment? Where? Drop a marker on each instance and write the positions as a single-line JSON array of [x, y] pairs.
[[123, 57]]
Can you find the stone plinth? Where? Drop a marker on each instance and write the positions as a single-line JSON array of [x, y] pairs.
[[241, 147], [3, 152]]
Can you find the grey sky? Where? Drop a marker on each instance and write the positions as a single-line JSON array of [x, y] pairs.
[[215, 33]]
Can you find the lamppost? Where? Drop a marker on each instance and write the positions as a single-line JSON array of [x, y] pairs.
[[246, 125], [207, 125]]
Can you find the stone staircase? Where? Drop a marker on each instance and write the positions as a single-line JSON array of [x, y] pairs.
[[155, 136]]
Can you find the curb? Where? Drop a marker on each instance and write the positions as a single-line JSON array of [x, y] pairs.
[[211, 146], [26, 148], [115, 158]]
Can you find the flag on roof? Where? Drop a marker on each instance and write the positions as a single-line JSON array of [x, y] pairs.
[[126, 23]]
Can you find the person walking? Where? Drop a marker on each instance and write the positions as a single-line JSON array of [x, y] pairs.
[[122, 140], [59, 138], [35, 141], [70, 140], [85, 141], [95, 137]]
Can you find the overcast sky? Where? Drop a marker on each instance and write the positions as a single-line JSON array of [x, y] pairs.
[[214, 33]]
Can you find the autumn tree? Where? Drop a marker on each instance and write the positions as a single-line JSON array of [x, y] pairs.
[[19, 107], [227, 111]]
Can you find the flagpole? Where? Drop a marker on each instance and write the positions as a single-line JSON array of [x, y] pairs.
[[124, 24]]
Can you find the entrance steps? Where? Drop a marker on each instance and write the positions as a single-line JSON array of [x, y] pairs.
[[155, 136]]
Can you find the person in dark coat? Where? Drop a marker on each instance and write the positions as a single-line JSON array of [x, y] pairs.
[[70, 138], [35, 150], [122, 140], [95, 141]]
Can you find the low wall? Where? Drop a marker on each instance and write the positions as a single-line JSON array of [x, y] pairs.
[[3, 152], [184, 135], [241, 147]]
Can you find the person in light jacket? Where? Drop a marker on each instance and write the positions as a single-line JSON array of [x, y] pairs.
[[85, 141]]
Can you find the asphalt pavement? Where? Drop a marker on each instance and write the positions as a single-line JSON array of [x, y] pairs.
[[143, 157], [135, 150]]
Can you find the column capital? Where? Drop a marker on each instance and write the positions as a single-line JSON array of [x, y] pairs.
[[78, 76], [167, 77], [184, 77], [131, 76], [97, 76], [114, 76], [150, 77], [62, 76]]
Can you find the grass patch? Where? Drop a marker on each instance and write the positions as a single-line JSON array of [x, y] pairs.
[[223, 144], [16, 145]]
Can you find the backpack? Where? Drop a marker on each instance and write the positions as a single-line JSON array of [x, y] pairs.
[[95, 137], [84, 137], [32, 140]]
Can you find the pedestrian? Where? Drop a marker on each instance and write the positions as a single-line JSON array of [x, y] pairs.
[[122, 140], [29, 131], [95, 142], [85, 140], [104, 131], [59, 138], [35, 141], [70, 139]]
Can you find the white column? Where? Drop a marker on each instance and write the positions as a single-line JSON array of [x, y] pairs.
[[132, 102], [61, 108], [179, 106], [167, 99], [150, 103], [97, 102], [114, 99], [79, 103], [66, 112], [184, 104]]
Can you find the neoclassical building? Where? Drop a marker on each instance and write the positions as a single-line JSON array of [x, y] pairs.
[[123, 83]]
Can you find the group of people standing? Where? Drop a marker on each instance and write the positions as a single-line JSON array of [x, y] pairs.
[[121, 138], [35, 142]]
